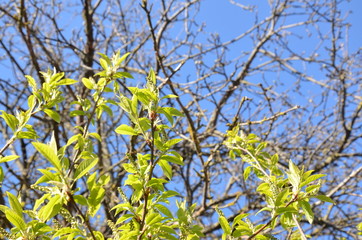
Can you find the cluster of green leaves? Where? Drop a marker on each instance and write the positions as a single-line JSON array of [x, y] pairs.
[[147, 209], [143, 214], [287, 192], [72, 189]]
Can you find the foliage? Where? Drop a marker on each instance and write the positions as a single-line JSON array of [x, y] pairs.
[[286, 71], [71, 191]]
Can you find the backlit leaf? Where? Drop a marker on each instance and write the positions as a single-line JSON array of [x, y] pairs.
[[126, 130], [53, 115], [48, 153], [84, 167]]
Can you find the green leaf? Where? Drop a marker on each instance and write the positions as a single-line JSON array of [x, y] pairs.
[[173, 111], [153, 218], [88, 83], [15, 219], [48, 153], [166, 167], [169, 96], [1, 175], [311, 188], [10, 120], [173, 159], [170, 193], [172, 142], [67, 81], [324, 198], [152, 77], [247, 172], [51, 208], [143, 95], [84, 167], [312, 178], [96, 136], [125, 103], [31, 81], [307, 210], [56, 77], [126, 130], [289, 209], [31, 101], [122, 75], [26, 135], [264, 209], [47, 176], [287, 220], [238, 218], [8, 158], [15, 204], [107, 109], [264, 188], [129, 167], [53, 115], [121, 59], [66, 231], [80, 199], [169, 112], [225, 225], [105, 57], [164, 210], [75, 113], [157, 184], [293, 168], [282, 196], [103, 64], [123, 218]]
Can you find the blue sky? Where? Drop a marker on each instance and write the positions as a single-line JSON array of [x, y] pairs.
[[223, 17]]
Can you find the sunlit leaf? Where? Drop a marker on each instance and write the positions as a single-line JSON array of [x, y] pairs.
[[48, 153], [10, 120], [51, 208], [307, 210], [126, 130], [15, 219], [324, 198], [53, 115], [67, 81], [8, 158], [84, 167], [15, 204]]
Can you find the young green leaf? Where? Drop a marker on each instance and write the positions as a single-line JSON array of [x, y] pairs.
[[164, 210], [312, 178], [51, 208], [122, 75], [31, 81], [67, 81], [103, 64], [15, 219], [88, 83], [15, 204], [48, 153], [225, 225], [8, 158], [166, 167], [173, 159], [324, 198], [53, 115], [105, 57], [10, 120], [121, 59], [126, 130], [307, 210], [84, 167]]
